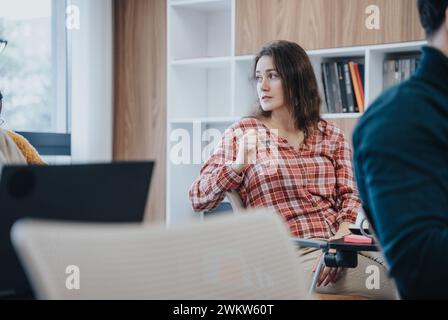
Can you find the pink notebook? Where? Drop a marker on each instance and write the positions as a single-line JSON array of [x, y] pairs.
[[353, 238]]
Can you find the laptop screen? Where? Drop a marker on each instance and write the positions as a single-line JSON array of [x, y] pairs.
[[113, 192]]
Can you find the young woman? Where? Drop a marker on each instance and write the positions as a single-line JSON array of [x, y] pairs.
[[309, 181]]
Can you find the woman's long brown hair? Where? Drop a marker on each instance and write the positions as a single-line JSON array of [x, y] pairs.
[[299, 83]]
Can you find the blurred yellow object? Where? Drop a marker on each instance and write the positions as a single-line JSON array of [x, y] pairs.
[[29, 152]]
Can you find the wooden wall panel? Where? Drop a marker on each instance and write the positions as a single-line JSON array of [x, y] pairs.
[[399, 22], [140, 91], [316, 24]]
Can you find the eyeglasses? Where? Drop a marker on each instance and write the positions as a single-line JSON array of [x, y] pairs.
[[3, 44]]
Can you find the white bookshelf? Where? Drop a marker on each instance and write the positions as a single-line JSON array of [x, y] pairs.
[[209, 87]]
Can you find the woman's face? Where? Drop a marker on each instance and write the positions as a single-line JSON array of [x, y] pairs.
[[269, 85]]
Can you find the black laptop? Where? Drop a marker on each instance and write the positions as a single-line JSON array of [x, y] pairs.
[[112, 193]]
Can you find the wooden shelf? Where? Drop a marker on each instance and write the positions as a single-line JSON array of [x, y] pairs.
[[201, 5], [206, 63], [224, 120]]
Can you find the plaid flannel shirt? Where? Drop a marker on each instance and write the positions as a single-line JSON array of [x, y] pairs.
[[312, 187]]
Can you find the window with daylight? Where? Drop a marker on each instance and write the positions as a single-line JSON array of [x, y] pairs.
[[34, 72]]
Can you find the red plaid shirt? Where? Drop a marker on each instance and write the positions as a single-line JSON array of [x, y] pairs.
[[312, 187]]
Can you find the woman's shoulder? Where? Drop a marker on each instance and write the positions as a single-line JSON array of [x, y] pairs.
[[330, 131], [17, 138], [28, 151]]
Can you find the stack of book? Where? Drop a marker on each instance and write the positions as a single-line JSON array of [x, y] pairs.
[[398, 68], [343, 82]]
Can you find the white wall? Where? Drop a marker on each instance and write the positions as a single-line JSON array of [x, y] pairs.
[[92, 82]]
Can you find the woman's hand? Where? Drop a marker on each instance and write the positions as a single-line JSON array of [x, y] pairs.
[[247, 151], [344, 229], [332, 275], [328, 275]]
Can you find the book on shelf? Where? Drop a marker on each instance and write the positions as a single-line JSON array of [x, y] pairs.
[[325, 106], [343, 85], [357, 86], [327, 87], [399, 67], [349, 89], [361, 75], [360, 86], [336, 87], [343, 88]]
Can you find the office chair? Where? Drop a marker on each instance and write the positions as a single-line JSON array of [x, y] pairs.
[[230, 257], [346, 255]]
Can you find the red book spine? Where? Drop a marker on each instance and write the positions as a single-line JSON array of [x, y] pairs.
[[361, 89]]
